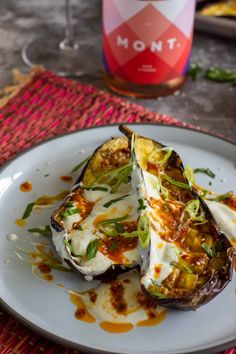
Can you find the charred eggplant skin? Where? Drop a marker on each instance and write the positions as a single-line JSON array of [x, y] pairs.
[[218, 279]]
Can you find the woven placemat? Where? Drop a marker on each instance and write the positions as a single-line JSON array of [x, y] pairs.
[[40, 106]]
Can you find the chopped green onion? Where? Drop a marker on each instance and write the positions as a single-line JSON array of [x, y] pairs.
[[167, 155], [189, 174], [115, 220], [119, 228], [156, 292], [195, 211], [69, 205], [68, 245], [109, 230], [108, 204], [81, 164], [69, 212], [142, 232], [45, 232], [142, 206], [92, 249], [194, 70], [207, 171], [28, 210], [208, 250], [175, 183], [219, 246], [113, 246], [222, 197], [103, 189]]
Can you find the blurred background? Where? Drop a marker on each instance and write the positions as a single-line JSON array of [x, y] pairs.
[[200, 101]]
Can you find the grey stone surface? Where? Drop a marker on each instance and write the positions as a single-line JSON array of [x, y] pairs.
[[208, 104]]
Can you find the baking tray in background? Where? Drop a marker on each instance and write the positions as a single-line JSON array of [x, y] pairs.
[[217, 25]]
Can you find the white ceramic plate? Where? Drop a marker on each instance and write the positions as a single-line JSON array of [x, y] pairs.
[[47, 309]]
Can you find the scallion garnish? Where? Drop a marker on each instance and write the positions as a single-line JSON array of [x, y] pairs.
[[113, 246], [222, 197], [111, 227], [28, 210], [142, 206], [108, 204], [195, 211], [69, 212], [92, 249], [46, 231], [174, 182], [206, 171], [142, 232], [115, 220], [68, 245], [117, 176], [166, 156], [81, 164], [156, 292], [208, 250], [189, 174]]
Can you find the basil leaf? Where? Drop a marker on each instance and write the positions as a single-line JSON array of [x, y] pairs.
[[28, 210], [206, 171], [208, 250], [141, 204], [92, 249], [81, 164], [45, 232], [108, 204]]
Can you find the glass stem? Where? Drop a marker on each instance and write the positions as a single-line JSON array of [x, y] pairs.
[[68, 43], [69, 34]]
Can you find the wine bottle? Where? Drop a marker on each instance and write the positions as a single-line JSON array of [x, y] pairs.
[[147, 45]]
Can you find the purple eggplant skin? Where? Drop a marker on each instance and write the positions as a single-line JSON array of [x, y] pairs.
[[56, 223], [218, 279]]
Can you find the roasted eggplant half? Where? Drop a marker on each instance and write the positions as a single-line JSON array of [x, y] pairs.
[[187, 260], [89, 227]]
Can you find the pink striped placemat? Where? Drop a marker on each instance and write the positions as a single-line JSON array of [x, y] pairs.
[[43, 106]]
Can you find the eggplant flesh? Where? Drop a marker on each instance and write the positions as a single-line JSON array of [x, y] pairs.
[[188, 260], [88, 227]]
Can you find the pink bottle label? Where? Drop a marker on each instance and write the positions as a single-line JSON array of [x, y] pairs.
[[147, 42]]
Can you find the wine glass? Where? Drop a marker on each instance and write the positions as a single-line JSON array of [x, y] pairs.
[[67, 57]]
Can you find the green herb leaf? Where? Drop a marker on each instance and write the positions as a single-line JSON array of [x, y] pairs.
[[194, 71], [167, 155], [92, 249], [156, 292], [174, 182], [28, 210], [208, 250], [220, 75], [108, 204], [142, 232], [189, 174], [195, 211], [141, 204], [219, 246], [68, 245], [222, 197], [69, 212], [103, 189], [81, 164], [206, 171], [45, 232], [113, 246], [119, 228], [115, 220]]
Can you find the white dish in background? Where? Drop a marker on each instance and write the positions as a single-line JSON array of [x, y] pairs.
[[46, 308]]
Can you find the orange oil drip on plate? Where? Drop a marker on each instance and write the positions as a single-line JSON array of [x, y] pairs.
[[49, 200], [116, 327], [81, 313], [153, 321], [48, 277], [20, 222], [26, 187], [66, 179]]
